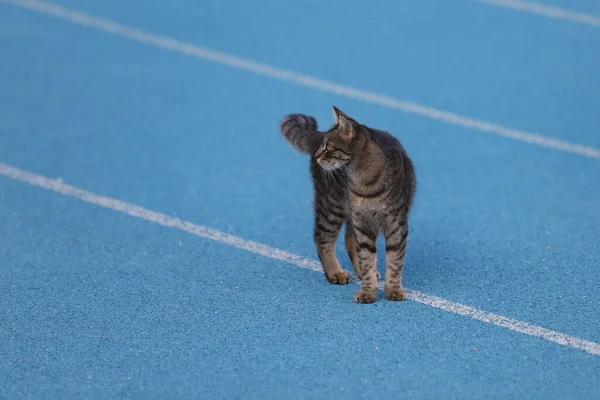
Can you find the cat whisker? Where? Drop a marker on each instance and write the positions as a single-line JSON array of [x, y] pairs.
[[326, 175], [331, 177], [339, 176]]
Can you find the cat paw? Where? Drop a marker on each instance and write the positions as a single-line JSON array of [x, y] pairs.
[[395, 294], [339, 278], [363, 296]]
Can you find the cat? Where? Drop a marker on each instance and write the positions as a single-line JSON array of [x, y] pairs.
[[362, 177]]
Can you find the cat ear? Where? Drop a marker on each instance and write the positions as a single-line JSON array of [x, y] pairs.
[[336, 115], [347, 124]]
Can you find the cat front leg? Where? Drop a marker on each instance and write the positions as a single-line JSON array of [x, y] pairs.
[[366, 241], [395, 249], [351, 247], [328, 224]]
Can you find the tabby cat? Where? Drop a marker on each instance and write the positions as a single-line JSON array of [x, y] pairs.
[[363, 177]]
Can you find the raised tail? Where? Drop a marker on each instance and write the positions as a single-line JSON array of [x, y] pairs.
[[301, 132]]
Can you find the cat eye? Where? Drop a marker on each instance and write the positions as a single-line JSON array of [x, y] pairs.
[[329, 147]]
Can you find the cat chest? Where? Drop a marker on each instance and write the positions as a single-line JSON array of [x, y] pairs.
[[364, 205]]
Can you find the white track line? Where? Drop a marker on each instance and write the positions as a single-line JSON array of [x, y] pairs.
[[271, 252], [546, 11], [167, 43]]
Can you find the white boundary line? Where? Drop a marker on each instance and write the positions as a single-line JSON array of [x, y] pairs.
[[165, 220], [170, 44], [546, 11]]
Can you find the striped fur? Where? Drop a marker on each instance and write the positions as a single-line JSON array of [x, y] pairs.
[[301, 132], [362, 177]]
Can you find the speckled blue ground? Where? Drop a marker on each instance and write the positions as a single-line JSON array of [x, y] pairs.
[[96, 304]]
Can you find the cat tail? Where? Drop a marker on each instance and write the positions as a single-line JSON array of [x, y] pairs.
[[301, 132]]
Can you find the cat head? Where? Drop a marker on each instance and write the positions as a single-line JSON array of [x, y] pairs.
[[337, 148]]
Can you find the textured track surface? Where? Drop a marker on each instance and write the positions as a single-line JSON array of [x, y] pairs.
[[95, 303]]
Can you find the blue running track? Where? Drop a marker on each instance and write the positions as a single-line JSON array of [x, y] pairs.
[[99, 304]]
